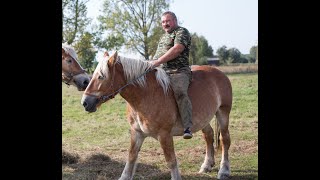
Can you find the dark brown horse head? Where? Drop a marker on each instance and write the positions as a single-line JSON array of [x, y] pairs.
[[72, 72]]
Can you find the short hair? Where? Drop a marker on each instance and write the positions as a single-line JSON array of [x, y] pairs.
[[171, 13]]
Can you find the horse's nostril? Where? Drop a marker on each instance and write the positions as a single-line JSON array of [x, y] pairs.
[[84, 104], [85, 82]]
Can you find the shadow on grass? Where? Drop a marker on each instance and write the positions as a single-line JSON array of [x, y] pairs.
[[102, 167], [250, 174]]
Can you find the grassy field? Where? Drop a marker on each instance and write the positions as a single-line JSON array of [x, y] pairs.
[[95, 145]]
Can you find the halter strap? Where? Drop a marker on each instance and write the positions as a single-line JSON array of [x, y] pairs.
[[104, 98], [69, 76]]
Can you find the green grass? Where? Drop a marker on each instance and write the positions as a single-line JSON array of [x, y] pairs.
[[100, 140]]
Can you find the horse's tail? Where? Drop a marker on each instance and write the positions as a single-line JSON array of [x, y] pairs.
[[217, 134]]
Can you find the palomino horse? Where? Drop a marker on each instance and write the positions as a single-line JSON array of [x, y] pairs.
[[72, 72], [152, 110]]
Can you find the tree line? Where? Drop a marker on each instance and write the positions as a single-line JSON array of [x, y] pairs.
[[134, 25]]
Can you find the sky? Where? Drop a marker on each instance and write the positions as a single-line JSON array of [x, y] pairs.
[[233, 23]]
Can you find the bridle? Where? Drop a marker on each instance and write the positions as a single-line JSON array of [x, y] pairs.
[[104, 98], [68, 76]]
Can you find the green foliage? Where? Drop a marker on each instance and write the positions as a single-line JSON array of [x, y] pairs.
[[86, 52], [199, 50], [75, 20], [244, 58], [201, 61], [253, 54], [136, 23], [113, 41], [64, 4], [234, 56], [223, 54], [154, 39]]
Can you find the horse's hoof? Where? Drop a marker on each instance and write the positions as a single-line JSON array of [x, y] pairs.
[[206, 169], [223, 176]]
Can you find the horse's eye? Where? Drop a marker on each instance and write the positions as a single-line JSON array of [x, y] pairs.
[[69, 61], [100, 77]]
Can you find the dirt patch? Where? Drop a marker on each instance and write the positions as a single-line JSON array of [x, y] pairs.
[[69, 158], [245, 147]]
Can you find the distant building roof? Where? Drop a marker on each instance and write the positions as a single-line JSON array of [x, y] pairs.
[[213, 60]]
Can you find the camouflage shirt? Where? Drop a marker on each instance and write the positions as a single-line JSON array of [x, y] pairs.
[[178, 36]]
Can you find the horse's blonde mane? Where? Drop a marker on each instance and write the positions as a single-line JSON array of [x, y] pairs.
[[133, 69], [70, 50], [102, 68]]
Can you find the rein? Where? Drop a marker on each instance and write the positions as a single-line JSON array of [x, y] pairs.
[[104, 98]]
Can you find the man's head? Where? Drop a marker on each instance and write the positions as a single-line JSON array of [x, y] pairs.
[[169, 21]]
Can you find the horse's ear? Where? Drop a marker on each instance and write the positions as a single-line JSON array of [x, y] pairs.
[[63, 51], [106, 54], [113, 57]]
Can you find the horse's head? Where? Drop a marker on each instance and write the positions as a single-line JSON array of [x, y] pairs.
[[113, 74], [72, 72], [104, 83]]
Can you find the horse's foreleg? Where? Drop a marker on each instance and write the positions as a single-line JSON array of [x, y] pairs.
[[223, 118], [209, 162], [137, 139], [167, 145]]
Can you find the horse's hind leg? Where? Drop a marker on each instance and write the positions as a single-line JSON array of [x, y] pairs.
[[223, 119], [209, 162], [166, 142], [137, 139]]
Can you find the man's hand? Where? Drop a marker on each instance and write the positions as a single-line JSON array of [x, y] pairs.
[[155, 63]]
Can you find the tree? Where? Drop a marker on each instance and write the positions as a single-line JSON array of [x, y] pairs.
[[253, 54], [223, 54], [133, 23], [199, 50], [244, 58], [86, 52], [234, 56], [75, 20]]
